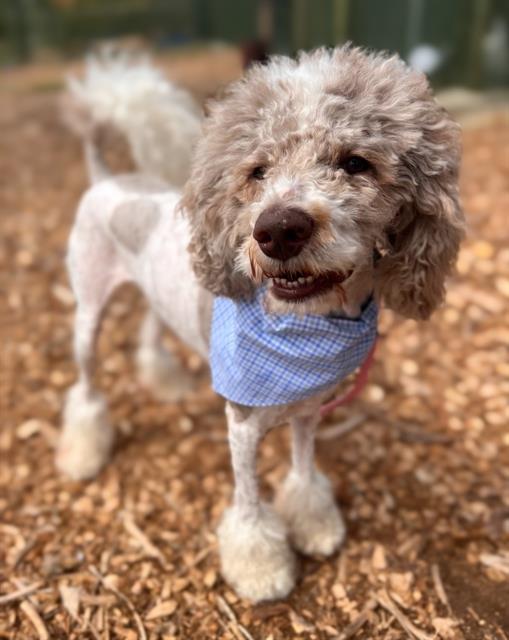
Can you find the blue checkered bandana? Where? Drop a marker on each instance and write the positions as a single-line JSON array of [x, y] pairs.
[[261, 359]]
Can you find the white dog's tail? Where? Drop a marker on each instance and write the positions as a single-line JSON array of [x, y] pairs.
[[79, 119], [160, 121]]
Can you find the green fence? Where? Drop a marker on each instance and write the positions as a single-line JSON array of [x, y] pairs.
[[456, 41], [463, 41]]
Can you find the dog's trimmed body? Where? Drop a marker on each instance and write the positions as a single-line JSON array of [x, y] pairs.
[[146, 238], [182, 251], [130, 229]]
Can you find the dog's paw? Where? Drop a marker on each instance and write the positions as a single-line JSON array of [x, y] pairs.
[[314, 521], [160, 372], [87, 437], [256, 559]]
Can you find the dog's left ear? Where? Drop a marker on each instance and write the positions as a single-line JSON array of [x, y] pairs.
[[208, 203], [424, 238]]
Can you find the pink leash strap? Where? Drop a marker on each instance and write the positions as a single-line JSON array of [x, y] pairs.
[[357, 386]]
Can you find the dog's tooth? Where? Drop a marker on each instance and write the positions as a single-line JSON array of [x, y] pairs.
[[302, 280], [309, 279]]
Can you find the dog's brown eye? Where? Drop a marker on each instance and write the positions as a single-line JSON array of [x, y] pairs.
[[355, 164], [258, 173]]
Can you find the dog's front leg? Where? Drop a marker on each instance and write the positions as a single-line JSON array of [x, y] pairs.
[[255, 556], [306, 500]]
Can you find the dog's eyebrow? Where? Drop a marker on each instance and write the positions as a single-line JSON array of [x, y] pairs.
[[132, 222]]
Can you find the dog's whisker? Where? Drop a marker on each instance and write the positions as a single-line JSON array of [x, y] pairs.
[[252, 264], [257, 272], [341, 295]]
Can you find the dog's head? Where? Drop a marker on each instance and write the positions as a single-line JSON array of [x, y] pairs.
[[308, 167]]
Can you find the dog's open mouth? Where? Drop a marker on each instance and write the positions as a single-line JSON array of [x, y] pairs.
[[296, 287]]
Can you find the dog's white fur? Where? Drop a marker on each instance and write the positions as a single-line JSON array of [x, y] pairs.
[[131, 229], [162, 122]]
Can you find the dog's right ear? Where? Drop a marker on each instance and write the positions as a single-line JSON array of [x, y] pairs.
[[209, 204]]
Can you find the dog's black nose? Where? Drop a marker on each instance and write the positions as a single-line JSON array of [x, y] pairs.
[[282, 232]]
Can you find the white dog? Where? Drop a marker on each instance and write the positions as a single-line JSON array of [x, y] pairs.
[[319, 186]]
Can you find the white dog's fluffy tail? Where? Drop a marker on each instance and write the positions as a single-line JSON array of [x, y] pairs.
[[160, 121]]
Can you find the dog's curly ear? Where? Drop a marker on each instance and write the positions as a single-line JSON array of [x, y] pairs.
[[424, 238], [208, 202]]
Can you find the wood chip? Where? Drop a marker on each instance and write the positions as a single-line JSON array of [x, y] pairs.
[[379, 558], [124, 599], [225, 608], [145, 543], [389, 605], [439, 587], [63, 294], [300, 625], [23, 592], [31, 613], [359, 621], [445, 627], [98, 600], [209, 579], [498, 562], [70, 599], [162, 610]]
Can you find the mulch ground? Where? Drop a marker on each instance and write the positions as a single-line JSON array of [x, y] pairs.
[[423, 479]]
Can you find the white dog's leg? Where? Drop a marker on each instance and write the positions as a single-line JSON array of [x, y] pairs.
[[158, 369], [305, 500], [255, 556], [87, 436]]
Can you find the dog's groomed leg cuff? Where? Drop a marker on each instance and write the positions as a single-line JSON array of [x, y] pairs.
[[256, 559], [87, 436]]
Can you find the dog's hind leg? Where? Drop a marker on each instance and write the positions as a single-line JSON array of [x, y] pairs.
[[87, 436], [158, 368], [306, 500]]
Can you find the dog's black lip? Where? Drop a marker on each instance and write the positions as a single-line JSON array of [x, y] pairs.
[[322, 283]]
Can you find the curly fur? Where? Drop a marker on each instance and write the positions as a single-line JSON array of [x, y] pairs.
[[297, 118], [161, 121]]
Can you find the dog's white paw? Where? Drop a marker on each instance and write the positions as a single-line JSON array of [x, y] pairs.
[[313, 519], [256, 559], [159, 371], [87, 437]]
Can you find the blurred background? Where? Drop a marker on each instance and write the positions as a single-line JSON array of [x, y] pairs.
[[459, 42]]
